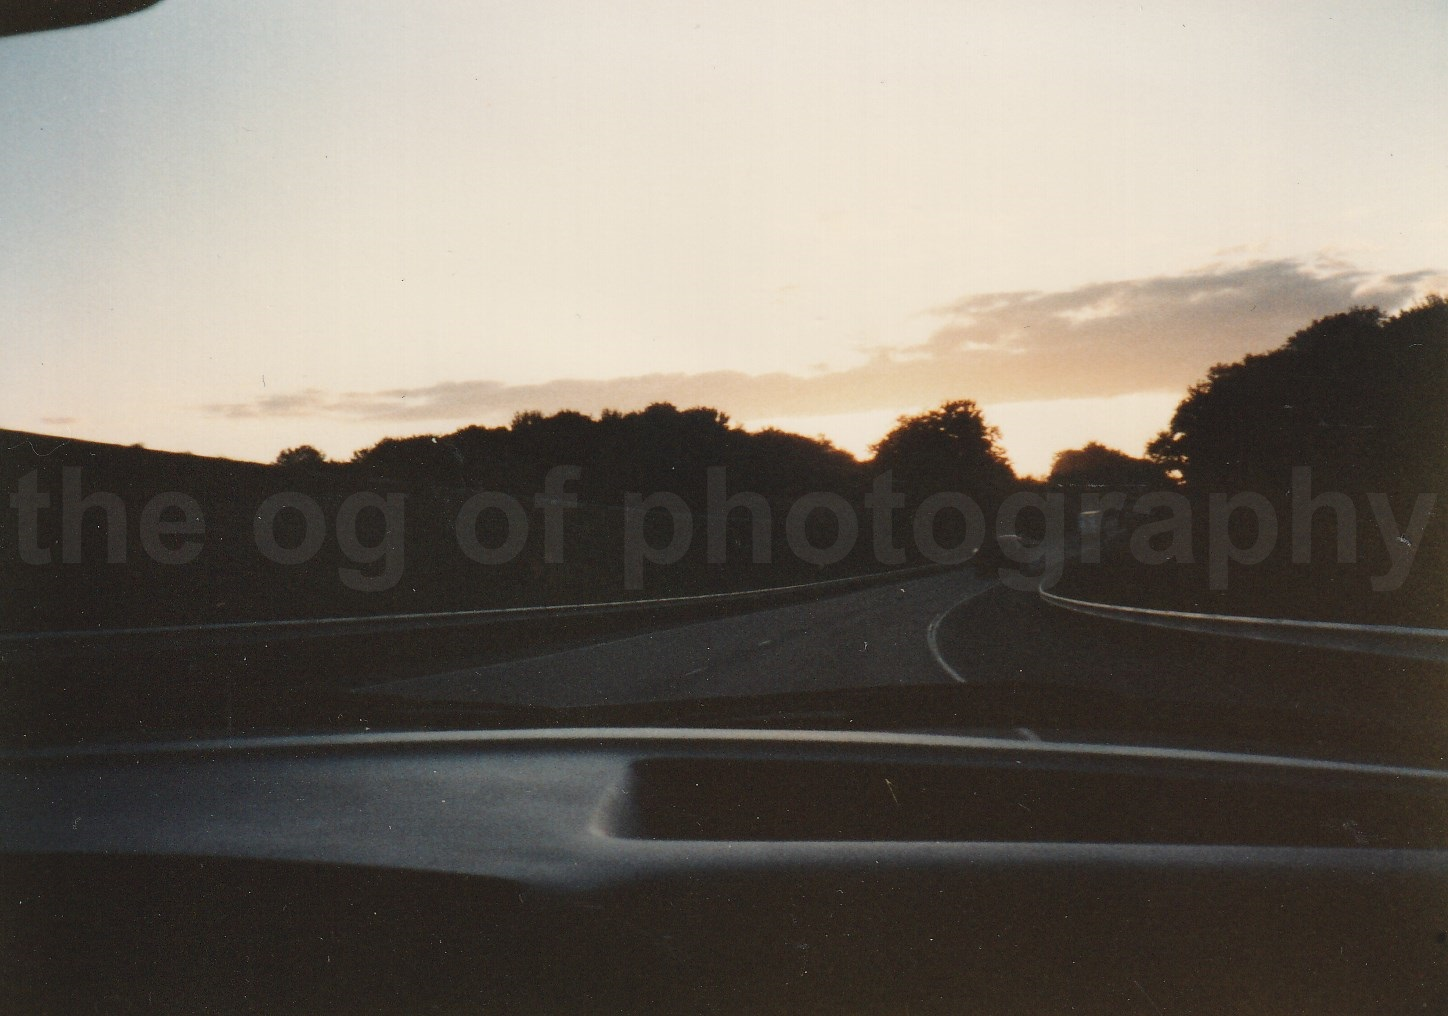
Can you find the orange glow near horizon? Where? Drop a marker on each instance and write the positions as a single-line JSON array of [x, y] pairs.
[[234, 228]]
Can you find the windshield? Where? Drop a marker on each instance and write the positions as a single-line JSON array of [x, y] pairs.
[[1068, 373]]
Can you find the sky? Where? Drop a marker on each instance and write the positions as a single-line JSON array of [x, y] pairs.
[[233, 228]]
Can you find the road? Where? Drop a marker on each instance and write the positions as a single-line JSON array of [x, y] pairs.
[[877, 636], [959, 627]]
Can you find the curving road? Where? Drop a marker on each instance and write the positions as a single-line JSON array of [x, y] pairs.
[[877, 636]]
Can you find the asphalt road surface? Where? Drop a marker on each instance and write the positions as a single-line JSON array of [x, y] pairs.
[[878, 636], [961, 628]]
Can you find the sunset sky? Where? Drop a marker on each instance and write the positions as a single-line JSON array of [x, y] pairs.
[[231, 227]]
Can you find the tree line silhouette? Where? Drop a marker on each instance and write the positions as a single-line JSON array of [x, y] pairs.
[[1340, 427], [1357, 396], [666, 449], [1361, 397], [659, 449]]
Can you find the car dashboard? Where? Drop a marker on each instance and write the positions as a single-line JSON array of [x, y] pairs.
[[728, 871]]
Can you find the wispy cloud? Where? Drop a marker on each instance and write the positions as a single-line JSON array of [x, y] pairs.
[[1103, 339]]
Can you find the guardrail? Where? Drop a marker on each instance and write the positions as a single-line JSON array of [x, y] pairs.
[[240, 632], [65, 686], [1376, 639]]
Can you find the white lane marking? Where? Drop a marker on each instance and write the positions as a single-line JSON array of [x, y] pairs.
[[932, 634], [664, 639]]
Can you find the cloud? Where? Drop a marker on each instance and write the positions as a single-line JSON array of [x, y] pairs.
[[1098, 340]]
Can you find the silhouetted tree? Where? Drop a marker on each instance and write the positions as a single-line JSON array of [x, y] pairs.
[[1095, 466], [1359, 399], [786, 465], [300, 457], [659, 448], [949, 448], [1357, 396], [420, 458]]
